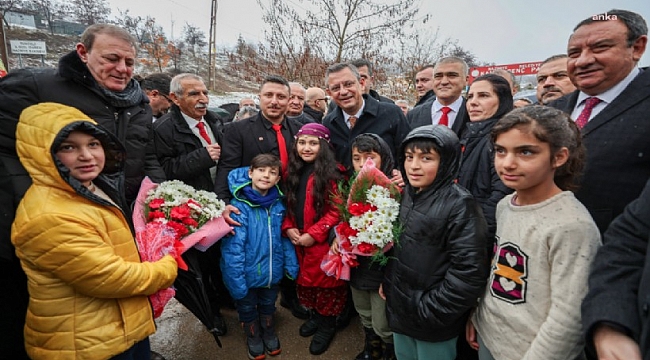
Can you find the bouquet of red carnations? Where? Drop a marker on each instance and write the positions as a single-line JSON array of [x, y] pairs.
[[369, 209], [170, 218]]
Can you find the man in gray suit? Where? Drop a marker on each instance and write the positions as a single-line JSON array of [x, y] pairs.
[[611, 106], [448, 108]]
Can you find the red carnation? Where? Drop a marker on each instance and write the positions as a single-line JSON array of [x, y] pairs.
[[346, 231], [179, 228], [153, 215], [357, 209], [367, 248], [190, 222], [156, 203], [180, 212]]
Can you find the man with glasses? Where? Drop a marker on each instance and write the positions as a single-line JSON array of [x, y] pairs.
[[357, 113], [156, 87], [316, 103], [365, 71], [297, 104]]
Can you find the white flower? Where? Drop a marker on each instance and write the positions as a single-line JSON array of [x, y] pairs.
[[205, 205], [376, 227]]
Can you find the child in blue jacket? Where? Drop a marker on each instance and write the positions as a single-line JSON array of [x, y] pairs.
[[256, 257]]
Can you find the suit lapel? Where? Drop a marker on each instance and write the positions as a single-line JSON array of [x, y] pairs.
[[631, 96], [259, 134], [459, 122]]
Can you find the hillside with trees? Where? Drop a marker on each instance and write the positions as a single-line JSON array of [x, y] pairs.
[[298, 45]]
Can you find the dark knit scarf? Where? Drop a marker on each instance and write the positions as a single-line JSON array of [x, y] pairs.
[[256, 198], [130, 96]]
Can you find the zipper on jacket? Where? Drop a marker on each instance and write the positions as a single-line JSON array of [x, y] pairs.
[[120, 127], [268, 221]]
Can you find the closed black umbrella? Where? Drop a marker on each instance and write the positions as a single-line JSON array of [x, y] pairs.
[[190, 292]]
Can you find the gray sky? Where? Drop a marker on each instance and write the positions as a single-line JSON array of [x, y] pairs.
[[497, 31]]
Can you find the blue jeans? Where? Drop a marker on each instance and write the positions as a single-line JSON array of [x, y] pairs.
[[140, 351], [258, 301]]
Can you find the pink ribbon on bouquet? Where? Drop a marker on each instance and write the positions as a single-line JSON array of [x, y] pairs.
[[338, 265]]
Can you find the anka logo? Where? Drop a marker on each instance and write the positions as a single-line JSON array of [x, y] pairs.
[[604, 17]]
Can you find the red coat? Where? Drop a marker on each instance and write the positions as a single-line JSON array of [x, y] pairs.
[[310, 258]]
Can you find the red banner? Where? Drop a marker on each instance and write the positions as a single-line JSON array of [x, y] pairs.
[[529, 68]]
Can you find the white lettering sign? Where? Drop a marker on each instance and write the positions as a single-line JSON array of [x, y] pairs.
[[28, 47]]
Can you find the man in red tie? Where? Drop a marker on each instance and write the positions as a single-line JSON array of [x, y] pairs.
[[611, 106], [448, 107], [270, 131], [186, 143]]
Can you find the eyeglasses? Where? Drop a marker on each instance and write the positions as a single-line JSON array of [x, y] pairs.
[[166, 97], [346, 84]]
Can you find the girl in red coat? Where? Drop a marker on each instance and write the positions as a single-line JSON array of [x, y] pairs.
[[312, 177]]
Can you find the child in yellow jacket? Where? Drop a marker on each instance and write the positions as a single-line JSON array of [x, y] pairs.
[[88, 288]]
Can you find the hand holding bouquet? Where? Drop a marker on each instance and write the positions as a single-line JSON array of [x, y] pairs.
[[170, 218], [369, 210]]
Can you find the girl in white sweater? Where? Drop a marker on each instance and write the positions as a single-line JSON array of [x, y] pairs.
[[546, 241]]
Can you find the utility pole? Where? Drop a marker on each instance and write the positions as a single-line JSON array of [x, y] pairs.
[[212, 49], [3, 44]]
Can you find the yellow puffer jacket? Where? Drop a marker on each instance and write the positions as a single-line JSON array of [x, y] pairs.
[[88, 288]]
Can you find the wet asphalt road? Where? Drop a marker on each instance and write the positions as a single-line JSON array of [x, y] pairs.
[[181, 336]]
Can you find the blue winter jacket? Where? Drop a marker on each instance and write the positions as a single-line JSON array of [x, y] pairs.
[[256, 255]]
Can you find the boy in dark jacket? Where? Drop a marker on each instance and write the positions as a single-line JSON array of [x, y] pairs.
[[256, 257], [440, 263], [366, 278]]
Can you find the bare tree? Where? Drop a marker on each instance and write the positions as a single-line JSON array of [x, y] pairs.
[[90, 12], [135, 25], [339, 29], [51, 10], [194, 37], [10, 5], [156, 45]]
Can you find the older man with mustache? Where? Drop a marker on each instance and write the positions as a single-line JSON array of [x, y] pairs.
[[187, 142]]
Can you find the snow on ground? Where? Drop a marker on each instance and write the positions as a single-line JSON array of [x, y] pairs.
[[232, 97]]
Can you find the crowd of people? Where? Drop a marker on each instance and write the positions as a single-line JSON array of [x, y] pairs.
[[525, 227]]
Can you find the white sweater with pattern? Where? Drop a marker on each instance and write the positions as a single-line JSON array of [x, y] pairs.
[[531, 306]]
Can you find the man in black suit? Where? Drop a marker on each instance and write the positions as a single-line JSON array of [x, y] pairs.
[[424, 84], [364, 67], [245, 139], [612, 106], [448, 108], [357, 113]]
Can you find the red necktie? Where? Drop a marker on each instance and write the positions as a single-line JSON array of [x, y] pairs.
[[282, 146], [583, 118], [203, 133], [444, 119], [353, 121]]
